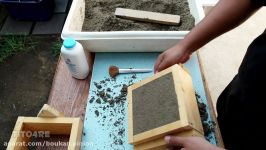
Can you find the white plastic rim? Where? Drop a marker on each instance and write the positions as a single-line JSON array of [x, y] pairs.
[[126, 34]]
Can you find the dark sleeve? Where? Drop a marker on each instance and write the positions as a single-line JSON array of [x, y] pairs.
[[259, 2], [241, 106]]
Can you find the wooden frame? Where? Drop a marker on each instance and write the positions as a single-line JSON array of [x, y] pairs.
[[59, 126], [188, 108], [160, 144]]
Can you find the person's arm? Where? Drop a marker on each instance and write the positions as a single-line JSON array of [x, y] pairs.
[[226, 15]]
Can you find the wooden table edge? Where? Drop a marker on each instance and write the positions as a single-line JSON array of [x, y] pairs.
[[210, 105]]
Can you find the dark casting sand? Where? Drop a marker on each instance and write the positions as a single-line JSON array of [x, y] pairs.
[[99, 15], [154, 104]]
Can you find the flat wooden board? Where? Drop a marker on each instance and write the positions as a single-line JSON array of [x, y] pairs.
[[69, 95], [100, 126], [147, 16]]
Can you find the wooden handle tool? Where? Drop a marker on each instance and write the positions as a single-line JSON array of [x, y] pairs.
[[114, 71]]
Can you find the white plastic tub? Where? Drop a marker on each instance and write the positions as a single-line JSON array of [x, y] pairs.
[[123, 41]]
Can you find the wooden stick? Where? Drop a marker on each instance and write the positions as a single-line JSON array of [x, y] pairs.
[[147, 16]]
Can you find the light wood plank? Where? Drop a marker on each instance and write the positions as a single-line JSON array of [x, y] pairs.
[[147, 16], [217, 131]]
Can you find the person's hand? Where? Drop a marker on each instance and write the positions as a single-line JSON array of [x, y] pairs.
[[174, 55], [190, 143]]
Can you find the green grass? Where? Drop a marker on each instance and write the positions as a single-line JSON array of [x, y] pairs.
[[56, 47], [11, 45]]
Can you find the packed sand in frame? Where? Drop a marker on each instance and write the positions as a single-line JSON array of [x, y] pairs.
[[154, 104]]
